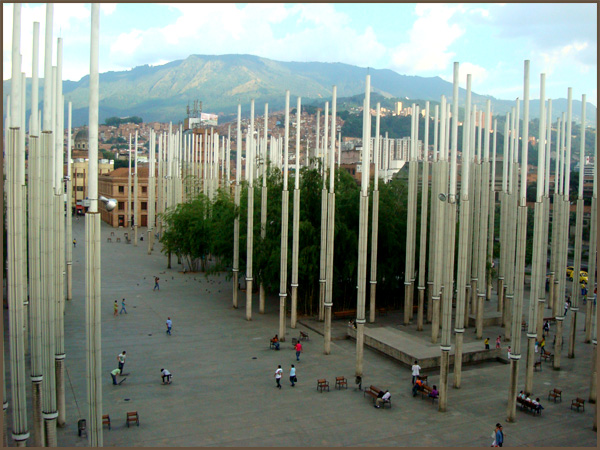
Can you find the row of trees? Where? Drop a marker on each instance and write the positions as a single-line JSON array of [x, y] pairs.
[[202, 230], [200, 233]]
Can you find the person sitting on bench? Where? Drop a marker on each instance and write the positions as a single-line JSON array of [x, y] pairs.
[[166, 376], [434, 392], [382, 397], [538, 405], [275, 342], [418, 386]]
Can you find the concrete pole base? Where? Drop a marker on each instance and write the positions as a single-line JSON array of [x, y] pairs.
[[407, 313], [429, 303], [435, 320], [261, 299], [444, 368], [38, 421], [593, 381], [420, 310], [294, 306], [360, 340], [479, 317], [588, 320], [508, 300], [529, 364], [282, 300], [327, 331], [372, 303], [235, 289], [458, 360], [321, 301], [50, 432], [59, 370], [69, 281], [559, 342], [571, 353], [511, 409], [249, 300]]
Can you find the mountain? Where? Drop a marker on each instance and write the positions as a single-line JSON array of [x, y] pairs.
[[221, 82]]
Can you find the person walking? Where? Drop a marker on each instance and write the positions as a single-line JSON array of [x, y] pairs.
[[114, 374], [293, 378], [115, 309], [537, 344], [156, 286], [123, 307], [169, 325], [543, 345], [487, 343], [498, 341], [121, 360], [416, 368], [298, 350], [546, 328], [499, 435], [567, 306], [278, 374], [74, 243]]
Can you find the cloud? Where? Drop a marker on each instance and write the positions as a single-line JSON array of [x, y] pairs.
[[108, 8], [429, 40], [71, 19], [299, 32]]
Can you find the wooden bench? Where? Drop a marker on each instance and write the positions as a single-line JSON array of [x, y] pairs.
[[322, 384], [341, 381], [423, 378], [547, 356], [578, 403], [426, 391], [348, 313], [132, 416], [303, 336], [528, 406], [536, 365], [555, 394], [372, 391], [118, 239], [108, 239], [106, 420]]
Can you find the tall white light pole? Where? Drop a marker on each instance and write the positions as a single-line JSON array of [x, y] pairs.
[[578, 237], [250, 229], [423, 231], [328, 303], [515, 354], [285, 199], [363, 231], [14, 212], [296, 221], [92, 256], [236, 220], [375, 218], [263, 204]]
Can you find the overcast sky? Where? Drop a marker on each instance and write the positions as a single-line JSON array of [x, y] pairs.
[[490, 41]]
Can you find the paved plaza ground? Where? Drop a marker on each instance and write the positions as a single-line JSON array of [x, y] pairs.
[[223, 391]]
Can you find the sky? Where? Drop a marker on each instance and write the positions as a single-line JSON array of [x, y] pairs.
[[489, 40]]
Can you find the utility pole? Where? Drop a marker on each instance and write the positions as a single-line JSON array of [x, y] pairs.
[[285, 201], [236, 220]]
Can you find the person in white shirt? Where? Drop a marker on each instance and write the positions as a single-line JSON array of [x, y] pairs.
[[293, 378], [166, 376], [169, 325], [278, 374], [381, 400], [121, 360], [415, 371]]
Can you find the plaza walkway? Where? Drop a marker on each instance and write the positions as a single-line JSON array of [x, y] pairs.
[[223, 391]]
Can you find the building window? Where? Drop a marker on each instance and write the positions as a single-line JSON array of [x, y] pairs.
[[79, 174], [144, 206], [80, 188], [121, 189], [144, 189], [121, 206]]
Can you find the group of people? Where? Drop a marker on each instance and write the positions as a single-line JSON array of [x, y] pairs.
[[297, 346], [538, 406], [116, 311], [418, 383], [279, 374]]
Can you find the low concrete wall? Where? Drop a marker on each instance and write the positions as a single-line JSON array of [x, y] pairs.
[[433, 362]]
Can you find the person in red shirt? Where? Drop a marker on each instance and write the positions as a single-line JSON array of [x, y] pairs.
[[298, 350]]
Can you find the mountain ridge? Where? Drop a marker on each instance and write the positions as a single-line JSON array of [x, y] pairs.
[[162, 92]]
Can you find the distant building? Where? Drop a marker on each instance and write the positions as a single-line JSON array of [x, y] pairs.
[[114, 185]]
